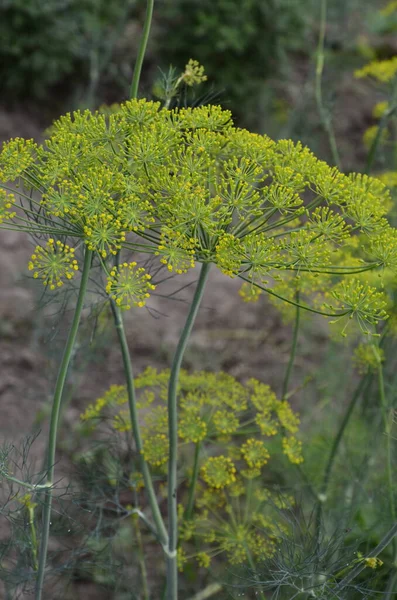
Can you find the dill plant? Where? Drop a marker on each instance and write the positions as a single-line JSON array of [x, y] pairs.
[[188, 187]]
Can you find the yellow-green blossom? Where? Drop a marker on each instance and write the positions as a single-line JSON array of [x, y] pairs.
[[53, 263], [128, 285], [382, 70], [218, 471]]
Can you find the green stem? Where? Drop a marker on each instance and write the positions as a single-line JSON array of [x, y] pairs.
[[390, 535], [322, 496], [210, 590], [141, 559], [142, 49], [382, 126], [28, 486], [172, 570], [159, 523], [292, 355], [325, 118], [33, 538], [193, 482], [56, 406], [389, 468], [272, 293]]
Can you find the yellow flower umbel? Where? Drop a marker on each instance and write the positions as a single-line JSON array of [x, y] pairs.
[[17, 156], [193, 73], [128, 285], [219, 472], [53, 264], [228, 433], [381, 70], [368, 358], [361, 301]]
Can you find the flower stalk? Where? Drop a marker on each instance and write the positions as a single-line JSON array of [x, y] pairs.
[[142, 49], [56, 408], [158, 520], [172, 569]]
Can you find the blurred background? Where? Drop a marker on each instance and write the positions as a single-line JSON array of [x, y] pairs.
[[260, 58]]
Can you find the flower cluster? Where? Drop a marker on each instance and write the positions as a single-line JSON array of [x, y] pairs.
[[368, 357], [242, 522], [213, 410], [7, 201], [188, 187], [193, 73], [53, 263], [381, 70], [232, 430], [129, 285]]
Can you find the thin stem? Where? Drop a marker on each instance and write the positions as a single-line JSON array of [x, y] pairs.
[[172, 571], [365, 381], [322, 496], [389, 466], [292, 355], [390, 535], [159, 523], [193, 482], [141, 559], [56, 406], [325, 117], [313, 310], [210, 590], [381, 127], [28, 486], [33, 537], [142, 49]]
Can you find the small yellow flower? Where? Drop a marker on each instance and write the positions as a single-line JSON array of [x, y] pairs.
[[53, 263], [293, 449], [128, 285], [7, 201], [193, 73], [218, 472], [379, 109], [373, 563], [382, 70], [155, 449], [255, 453], [192, 428], [203, 559], [225, 422]]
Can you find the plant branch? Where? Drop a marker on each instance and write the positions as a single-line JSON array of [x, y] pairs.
[[142, 49], [56, 407], [172, 572], [325, 117], [292, 355], [159, 523]]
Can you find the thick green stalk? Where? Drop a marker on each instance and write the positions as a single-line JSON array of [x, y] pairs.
[[292, 355], [325, 118], [158, 520], [56, 406], [172, 570], [142, 49]]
